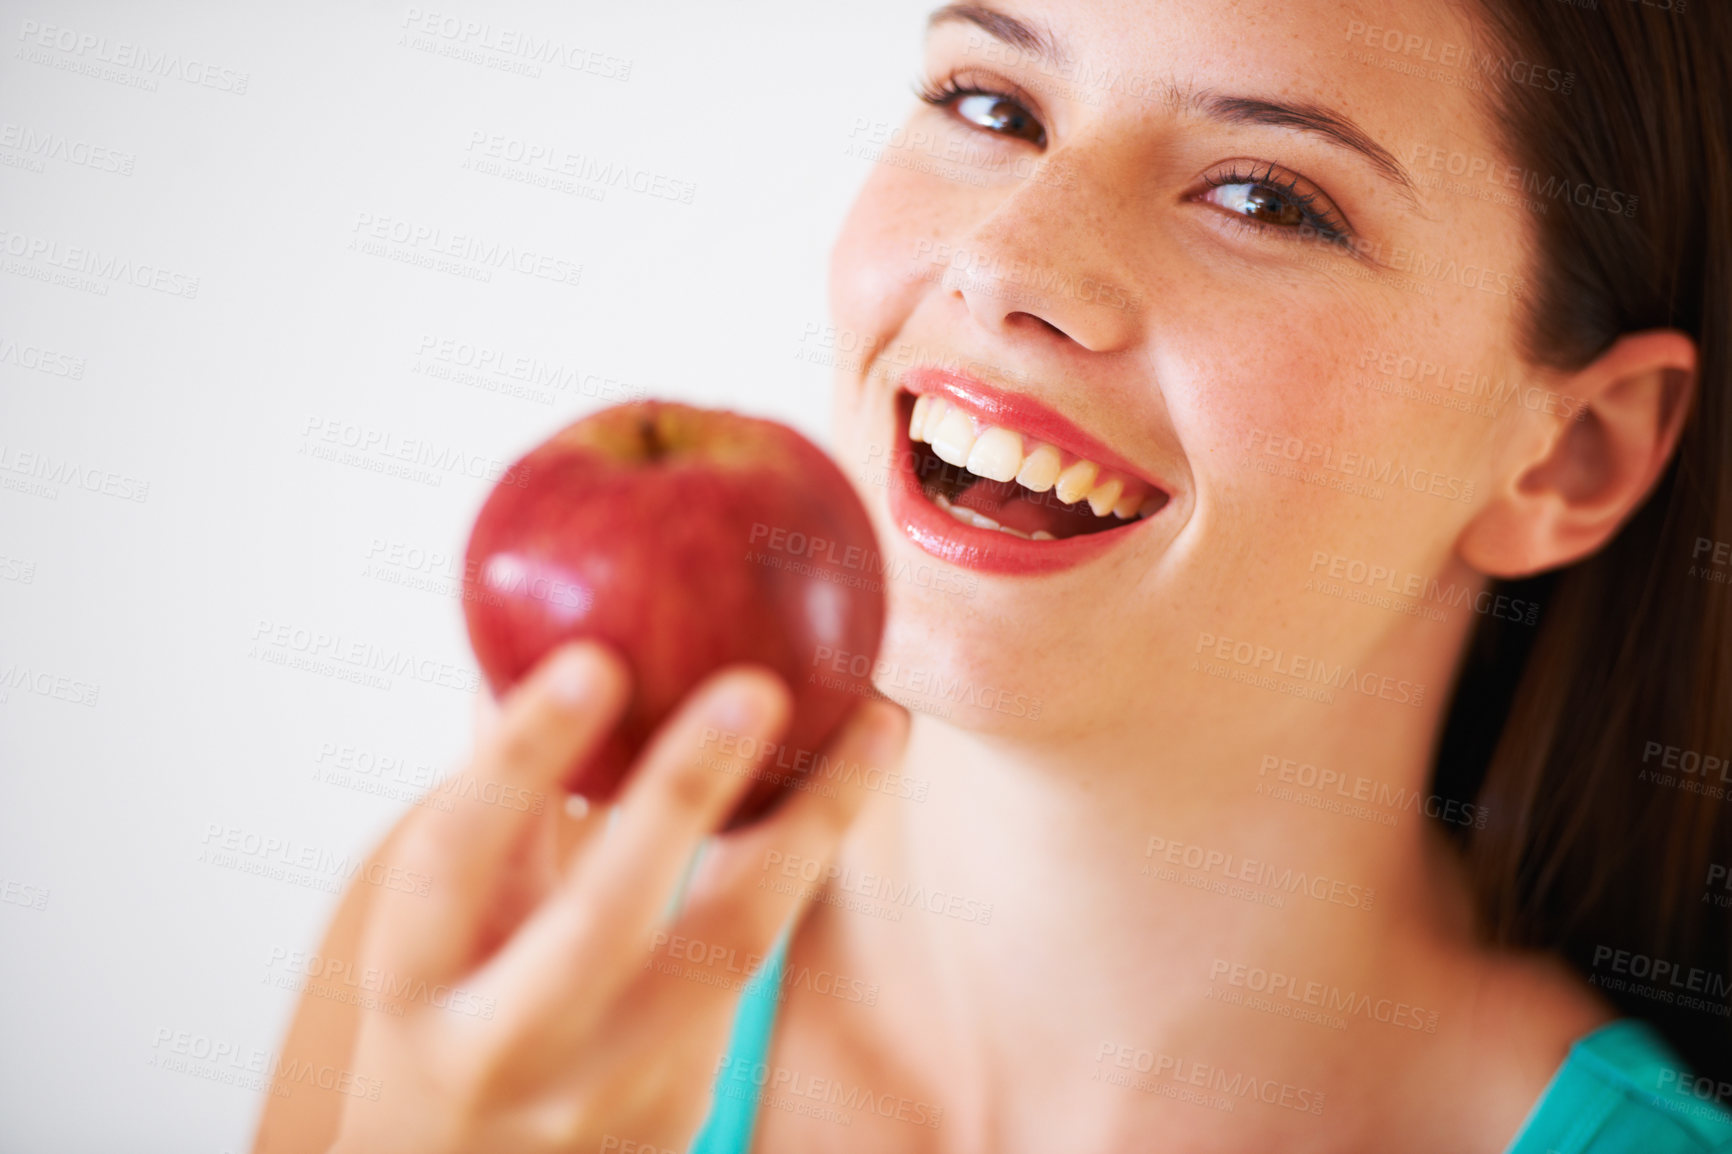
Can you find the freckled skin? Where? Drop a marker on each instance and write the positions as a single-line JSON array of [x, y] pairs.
[[1099, 273], [1240, 341]]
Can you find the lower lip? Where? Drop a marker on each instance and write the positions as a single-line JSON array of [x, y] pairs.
[[985, 550]]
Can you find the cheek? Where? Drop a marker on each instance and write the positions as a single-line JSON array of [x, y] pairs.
[[883, 261], [875, 282], [1230, 396], [1294, 449]]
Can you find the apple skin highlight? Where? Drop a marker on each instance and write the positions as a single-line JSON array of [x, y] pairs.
[[686, 539]]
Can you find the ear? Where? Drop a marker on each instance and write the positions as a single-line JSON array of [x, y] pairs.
[[1595, 466]]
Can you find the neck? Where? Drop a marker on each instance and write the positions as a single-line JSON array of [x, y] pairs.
[[1105, 894]]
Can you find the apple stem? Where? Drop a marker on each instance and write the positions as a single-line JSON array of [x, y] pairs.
[[653, 446]]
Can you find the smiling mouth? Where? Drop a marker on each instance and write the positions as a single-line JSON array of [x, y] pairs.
[[1002, 480]]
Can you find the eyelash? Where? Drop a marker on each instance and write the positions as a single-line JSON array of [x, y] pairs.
[[942, 93], [1320, 217]]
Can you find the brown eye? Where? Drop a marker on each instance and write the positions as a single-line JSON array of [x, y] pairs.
[[1265, 198], [1266, 204], [999, 114]]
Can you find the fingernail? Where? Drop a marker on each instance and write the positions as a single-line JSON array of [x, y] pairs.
[[739, 707], [572, 679]]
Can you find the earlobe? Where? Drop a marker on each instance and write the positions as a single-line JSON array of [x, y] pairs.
[[1595, 470]]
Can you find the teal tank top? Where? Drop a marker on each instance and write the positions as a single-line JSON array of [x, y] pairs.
[[1620, 1090], [744, 1070]]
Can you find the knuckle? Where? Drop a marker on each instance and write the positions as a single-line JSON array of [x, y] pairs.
[[424, 847], [691, 790], [753, 922], [490, 1074], [743, 928], [735, 881], [519, 744]]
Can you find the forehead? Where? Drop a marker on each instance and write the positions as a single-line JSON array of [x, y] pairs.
[[1413, 73]]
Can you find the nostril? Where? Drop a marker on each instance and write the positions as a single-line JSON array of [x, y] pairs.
[[1023, 318]]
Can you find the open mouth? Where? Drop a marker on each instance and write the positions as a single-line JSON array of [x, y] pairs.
[[998, 479], [997, 482]]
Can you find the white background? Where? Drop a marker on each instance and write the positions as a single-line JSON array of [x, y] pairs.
[[154, 608]]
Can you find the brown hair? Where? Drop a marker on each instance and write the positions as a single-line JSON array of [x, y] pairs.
[[1579, 737]]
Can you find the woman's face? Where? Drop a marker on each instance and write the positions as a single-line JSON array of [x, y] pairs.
[[1257, 260]]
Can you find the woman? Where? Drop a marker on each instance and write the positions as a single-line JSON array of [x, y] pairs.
[[1326, 405]]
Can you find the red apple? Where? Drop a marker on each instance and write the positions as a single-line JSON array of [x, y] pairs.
[[687, 539]]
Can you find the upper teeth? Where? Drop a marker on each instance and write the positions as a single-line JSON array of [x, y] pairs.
[[1000, 454]]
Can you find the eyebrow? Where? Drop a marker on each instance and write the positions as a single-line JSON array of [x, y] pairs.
[[1302, 117], [1035, 41], [1312, 118]]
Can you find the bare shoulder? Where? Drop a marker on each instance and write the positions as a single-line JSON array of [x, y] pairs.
[[1533, 1007], [1522, 1013]]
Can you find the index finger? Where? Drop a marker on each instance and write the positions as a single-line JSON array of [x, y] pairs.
[[557, 715]]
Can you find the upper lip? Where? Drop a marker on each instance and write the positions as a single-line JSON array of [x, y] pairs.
[[993, 405]]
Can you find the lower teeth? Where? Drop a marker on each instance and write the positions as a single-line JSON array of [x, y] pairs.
[[981, 521]]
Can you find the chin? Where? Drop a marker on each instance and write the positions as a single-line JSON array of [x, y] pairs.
[[984, 630], [964, 674]]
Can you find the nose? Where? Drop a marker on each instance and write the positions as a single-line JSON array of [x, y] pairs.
[[1048, 261]]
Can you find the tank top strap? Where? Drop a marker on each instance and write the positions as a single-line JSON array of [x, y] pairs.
[[745, 1069], [1623, 1090]]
